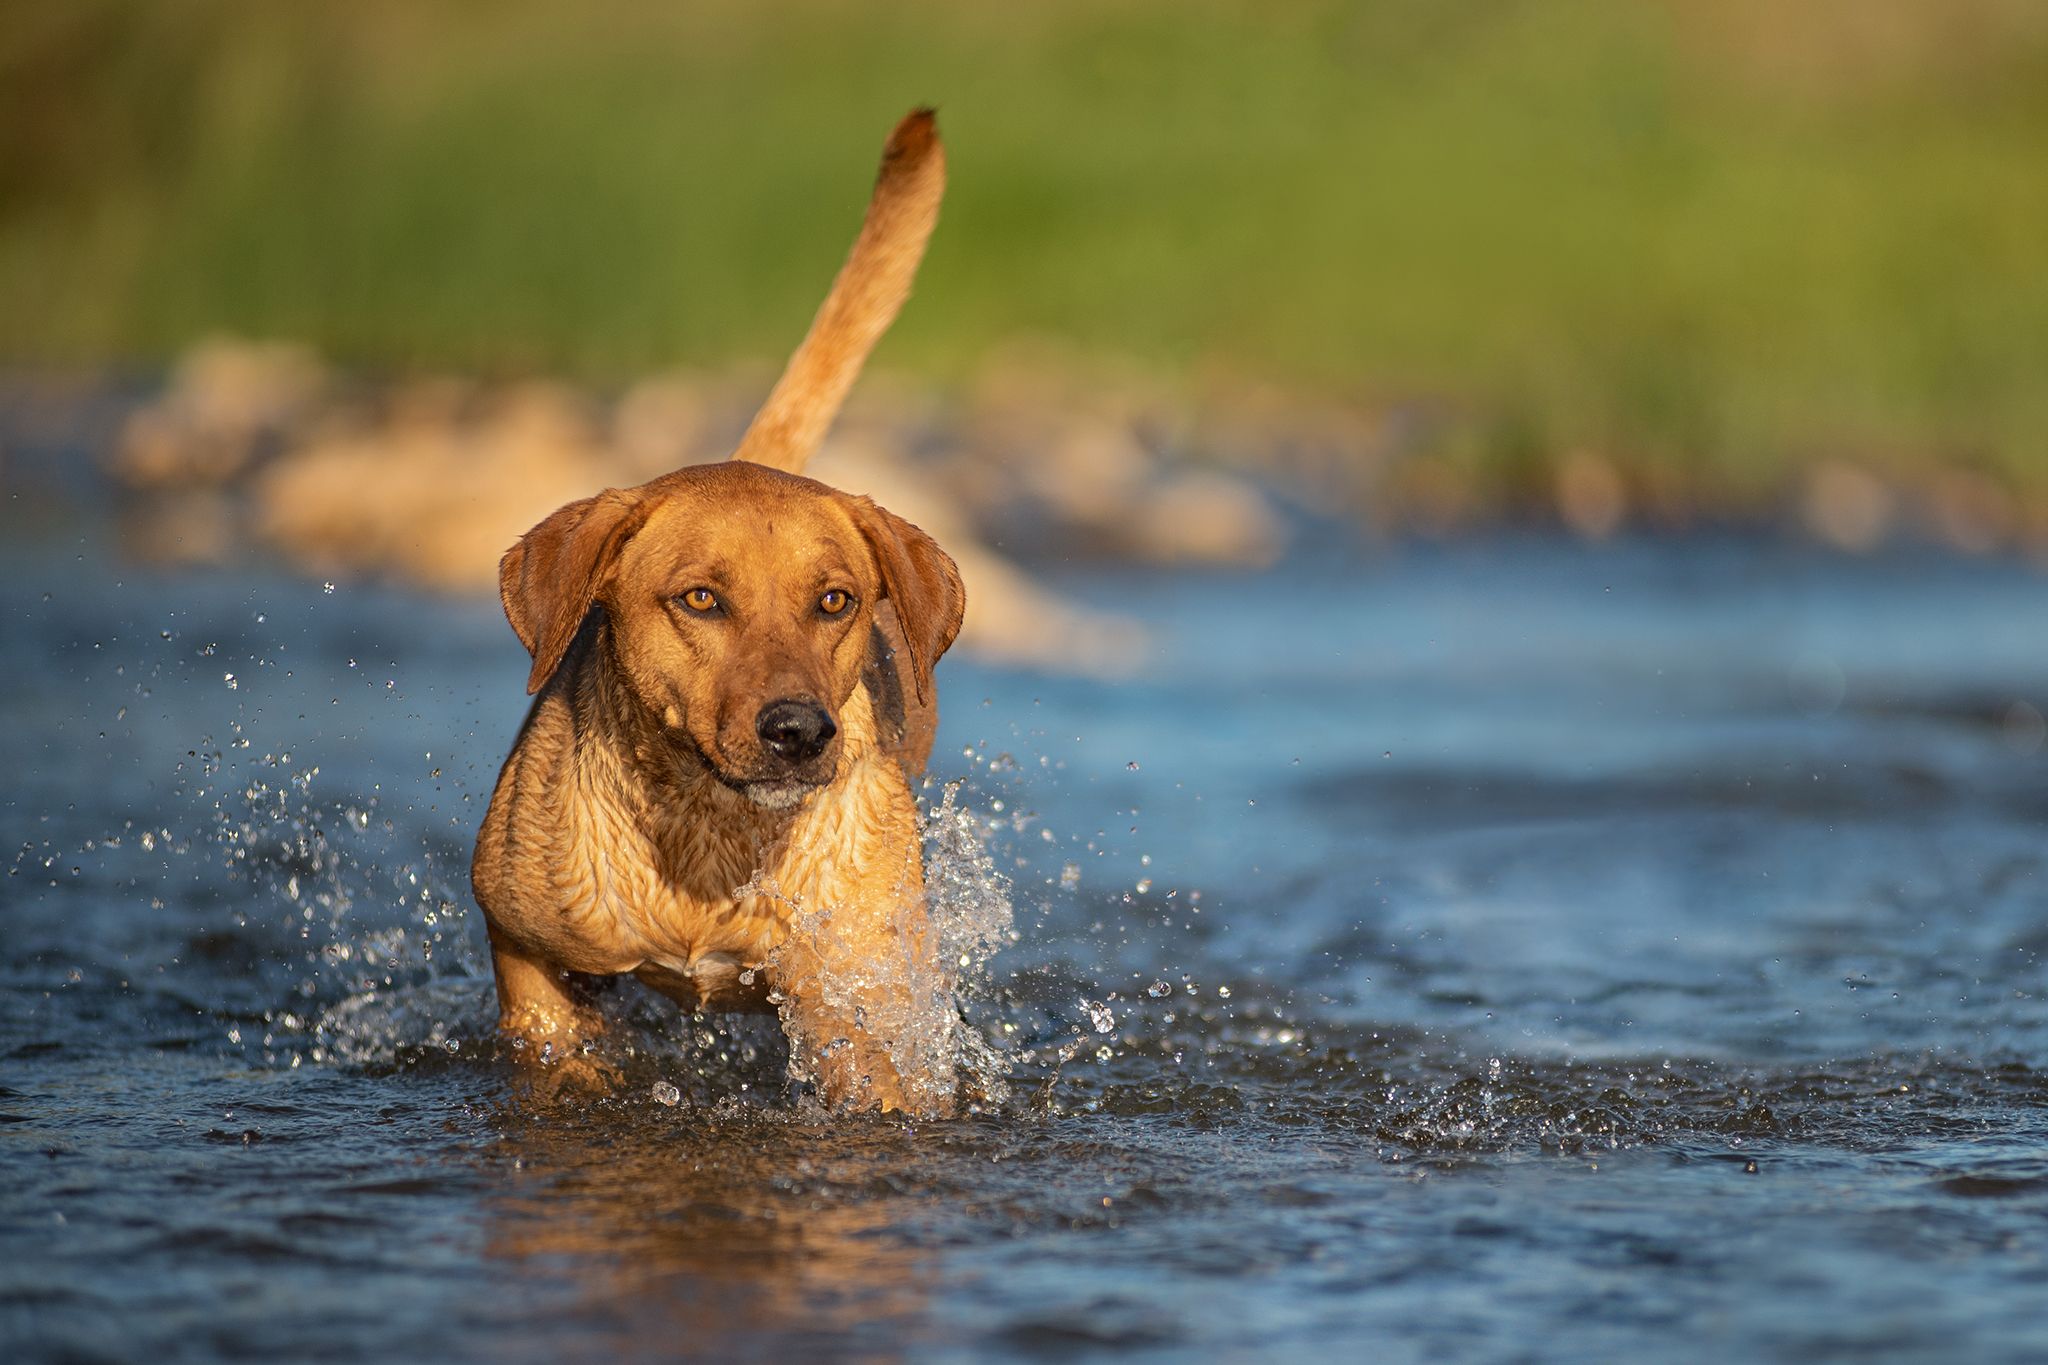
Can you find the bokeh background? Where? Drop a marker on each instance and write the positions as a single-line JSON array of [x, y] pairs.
[[1624, 264]]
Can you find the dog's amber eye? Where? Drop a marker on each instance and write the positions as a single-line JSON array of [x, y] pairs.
[[701, 599], [834, 602]]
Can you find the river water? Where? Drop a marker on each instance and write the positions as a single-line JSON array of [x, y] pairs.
[[1503, 950]]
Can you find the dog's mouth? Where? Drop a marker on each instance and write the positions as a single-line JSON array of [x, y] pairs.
[[783, 791], [780, 791], [774, 793]]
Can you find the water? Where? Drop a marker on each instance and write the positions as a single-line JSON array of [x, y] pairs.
[[1512, 950]]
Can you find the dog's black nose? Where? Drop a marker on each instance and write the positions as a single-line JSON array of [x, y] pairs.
[[794, 730]]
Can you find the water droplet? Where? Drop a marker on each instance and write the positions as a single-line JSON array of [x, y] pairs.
[[327, 587], [666, 1094], [1159, 990]]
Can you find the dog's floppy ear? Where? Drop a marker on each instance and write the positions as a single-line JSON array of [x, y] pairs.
[[923, 582], [549, 580]]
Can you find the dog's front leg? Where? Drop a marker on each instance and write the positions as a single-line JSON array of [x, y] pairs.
[[536, 1009], [867, 1005]]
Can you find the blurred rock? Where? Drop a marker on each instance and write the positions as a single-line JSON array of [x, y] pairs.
[[1972, 511], [1847, 506], [1334, 456], [439, 492], [1207, 517], [1079, 474], [224, 400], [1591, 499]]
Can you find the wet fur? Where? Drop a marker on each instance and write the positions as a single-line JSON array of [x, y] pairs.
[[641, 825]]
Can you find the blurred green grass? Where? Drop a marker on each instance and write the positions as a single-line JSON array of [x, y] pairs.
[[1709, 239]]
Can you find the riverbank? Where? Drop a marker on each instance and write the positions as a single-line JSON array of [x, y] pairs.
[[1653, 263]]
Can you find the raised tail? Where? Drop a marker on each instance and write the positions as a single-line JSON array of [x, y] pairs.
[[864, 300]]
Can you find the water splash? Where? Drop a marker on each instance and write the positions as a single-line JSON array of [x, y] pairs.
[[895, 1004], [969, 901]]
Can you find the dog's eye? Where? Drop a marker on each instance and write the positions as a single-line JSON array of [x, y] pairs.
[[701, 600], [834, 602]]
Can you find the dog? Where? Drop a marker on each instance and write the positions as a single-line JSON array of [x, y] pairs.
[[732, 673]]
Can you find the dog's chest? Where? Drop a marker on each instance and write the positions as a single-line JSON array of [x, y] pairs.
[[695, 885], [659, 883]]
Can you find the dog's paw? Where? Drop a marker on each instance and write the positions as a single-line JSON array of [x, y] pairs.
[[547, 1077], [853, 1081]]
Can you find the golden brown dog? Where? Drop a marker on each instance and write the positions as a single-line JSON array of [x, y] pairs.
[[734, 669]]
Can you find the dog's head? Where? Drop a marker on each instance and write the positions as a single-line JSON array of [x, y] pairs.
[[741, 601]]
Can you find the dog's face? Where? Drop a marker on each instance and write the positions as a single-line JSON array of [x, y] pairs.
[[741, 602]]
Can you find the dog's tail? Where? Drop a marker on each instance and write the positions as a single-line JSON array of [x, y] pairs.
[[864, 300]]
